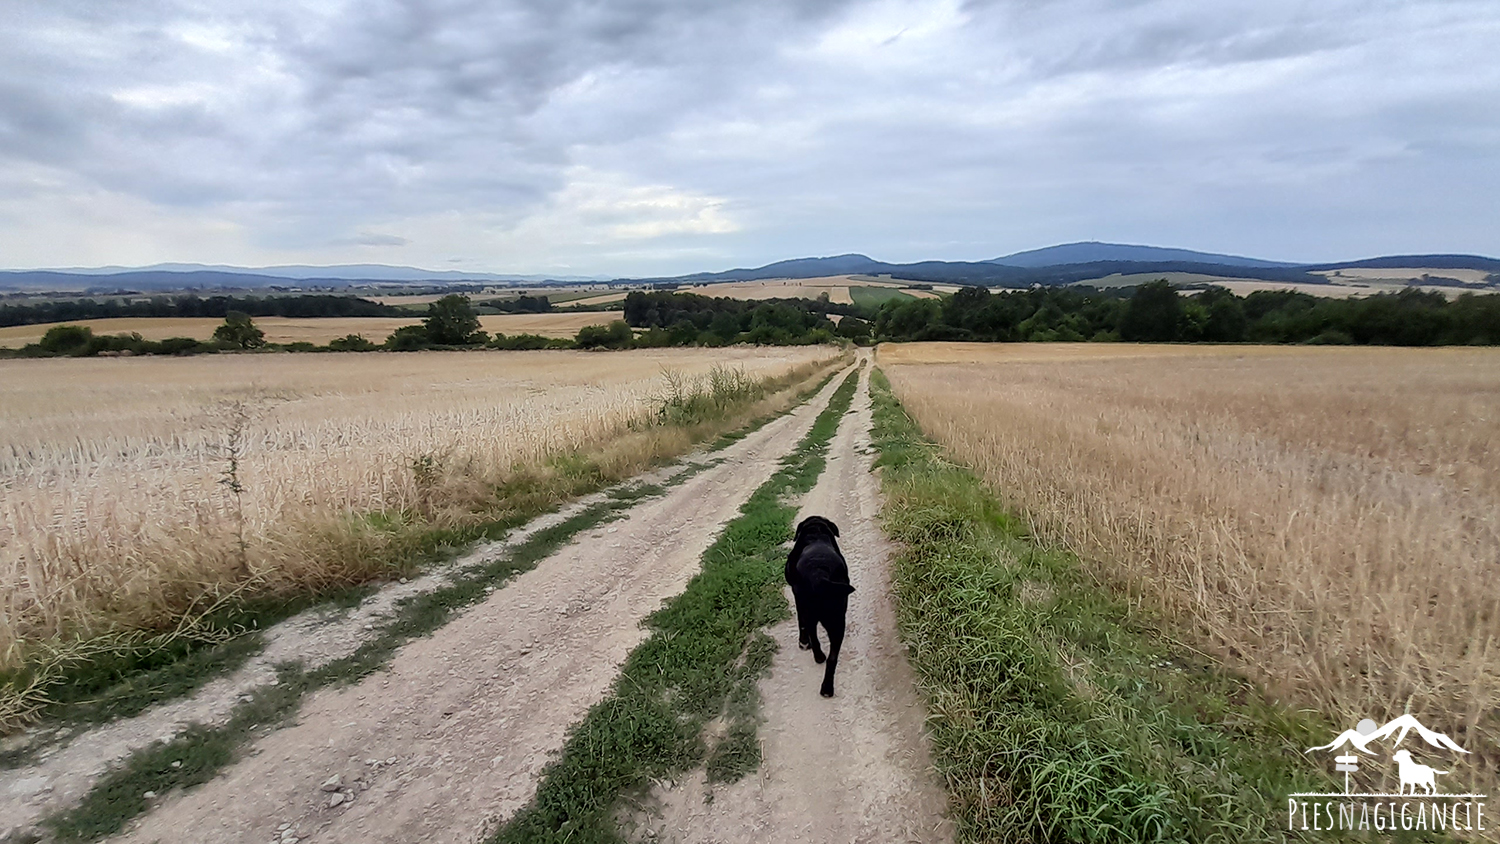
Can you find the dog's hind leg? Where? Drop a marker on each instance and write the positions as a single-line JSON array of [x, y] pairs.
[[835, 642], [807, 621]]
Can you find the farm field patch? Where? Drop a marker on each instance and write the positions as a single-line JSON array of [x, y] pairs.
[[874, 297], [1342, 284], [127, 483], [593, 298], [1320, 518], [837, 288], [313, 330], [1401, 275]]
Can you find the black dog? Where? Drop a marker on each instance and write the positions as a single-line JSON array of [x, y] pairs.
[[819, 577]]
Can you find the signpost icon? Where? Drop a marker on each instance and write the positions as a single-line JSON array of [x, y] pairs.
[[1347, 764]]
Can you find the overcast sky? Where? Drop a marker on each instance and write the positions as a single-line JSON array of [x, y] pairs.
[[635, 137]]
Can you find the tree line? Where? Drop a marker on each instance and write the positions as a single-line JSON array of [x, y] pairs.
[[1158, 312], [1153, 312], [218, 307]]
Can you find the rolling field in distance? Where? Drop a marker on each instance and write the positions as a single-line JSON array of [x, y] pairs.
[[1322, 518], [129, 488], [1342, 284], [314, 330]]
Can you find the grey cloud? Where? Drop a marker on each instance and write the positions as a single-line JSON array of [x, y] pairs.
[[1022, 123], [372, 239]]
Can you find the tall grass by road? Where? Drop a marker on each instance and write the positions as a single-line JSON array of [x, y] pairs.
[[1324, 519]]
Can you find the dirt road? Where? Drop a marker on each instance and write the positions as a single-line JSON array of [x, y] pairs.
[[853, 768], [451, 738]]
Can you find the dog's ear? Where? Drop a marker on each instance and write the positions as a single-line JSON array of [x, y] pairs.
[[833, 527], [849, 589]]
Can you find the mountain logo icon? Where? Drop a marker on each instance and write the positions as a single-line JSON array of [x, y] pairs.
[[1366, 732], [1418, 803]]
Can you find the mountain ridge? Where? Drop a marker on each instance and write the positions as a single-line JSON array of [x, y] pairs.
[[1090, 251], [983, 273]]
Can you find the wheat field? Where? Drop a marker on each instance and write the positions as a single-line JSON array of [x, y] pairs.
[[1324, 519], [130, 486], [312, 330]]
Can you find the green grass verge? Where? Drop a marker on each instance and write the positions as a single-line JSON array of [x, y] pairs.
[[702, 661], [1057, 714]]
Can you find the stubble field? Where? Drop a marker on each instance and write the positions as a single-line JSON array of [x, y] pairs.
[[1324, 519], [131, 488], [315, 330]]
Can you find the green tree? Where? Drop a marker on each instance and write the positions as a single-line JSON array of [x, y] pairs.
[[1226, 316], [452, 321], [1154, 314], [854, 328], [239, 331]]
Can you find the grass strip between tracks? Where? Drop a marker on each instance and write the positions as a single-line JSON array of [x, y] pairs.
[[1057, 714], [200, 752], [705, 653]]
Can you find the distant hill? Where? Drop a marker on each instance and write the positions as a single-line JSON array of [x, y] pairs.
[[796, 268], [1092, 251], [1434, 262], [165, 277], [1064, 264], [984, 273], [144, 280]]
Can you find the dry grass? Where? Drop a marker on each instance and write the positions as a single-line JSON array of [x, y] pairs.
[[1351, 284], [317, 330], [1403, 274], [1323, 518], [601, 299], [130, 488]]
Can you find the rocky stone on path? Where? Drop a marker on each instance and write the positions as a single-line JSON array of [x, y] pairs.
[[333, 783], [336, 799]]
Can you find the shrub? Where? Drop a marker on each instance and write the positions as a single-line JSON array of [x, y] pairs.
[[66, 339], [179, 346], [351, 343], [408, 338], [528, 342], [616, 335]]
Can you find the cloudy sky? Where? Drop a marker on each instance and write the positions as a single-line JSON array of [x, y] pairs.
[[632, 137]]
